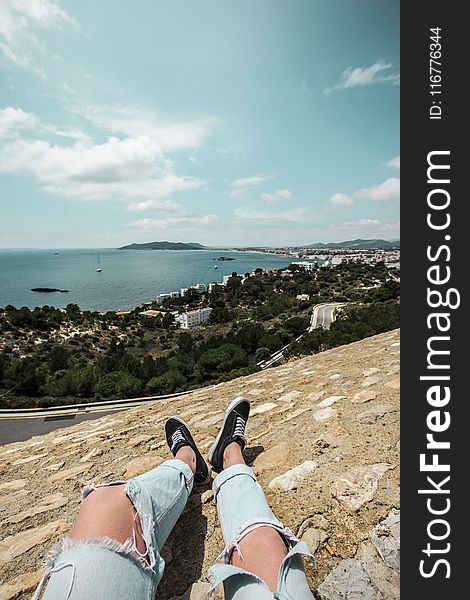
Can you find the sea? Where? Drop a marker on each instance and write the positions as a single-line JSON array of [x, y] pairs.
[[128, 277]]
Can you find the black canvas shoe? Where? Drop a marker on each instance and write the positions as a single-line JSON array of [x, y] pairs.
[[178, 435], [232, 430]]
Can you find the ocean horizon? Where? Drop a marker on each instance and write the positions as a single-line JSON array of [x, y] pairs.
[[128, 277]]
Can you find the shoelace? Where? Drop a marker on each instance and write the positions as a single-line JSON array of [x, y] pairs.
[[176, 438], [239, 429]]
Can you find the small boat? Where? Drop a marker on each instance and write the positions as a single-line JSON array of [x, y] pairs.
[[98, 268], [216, 267]]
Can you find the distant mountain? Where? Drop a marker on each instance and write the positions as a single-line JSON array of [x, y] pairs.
[[164, 246], [359, 245]]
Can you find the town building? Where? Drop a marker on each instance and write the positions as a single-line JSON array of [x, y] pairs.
[[193, 318]]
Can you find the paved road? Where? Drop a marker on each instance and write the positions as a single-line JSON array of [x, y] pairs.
[[323, 315], [18, 430]]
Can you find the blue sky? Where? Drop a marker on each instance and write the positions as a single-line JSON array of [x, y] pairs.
[[255, 122]]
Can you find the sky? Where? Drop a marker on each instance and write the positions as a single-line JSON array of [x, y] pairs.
[[241, 123]]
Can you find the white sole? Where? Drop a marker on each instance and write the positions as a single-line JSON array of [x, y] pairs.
[[231, 406]]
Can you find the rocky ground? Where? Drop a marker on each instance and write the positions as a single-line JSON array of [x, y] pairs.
[[323, 440]]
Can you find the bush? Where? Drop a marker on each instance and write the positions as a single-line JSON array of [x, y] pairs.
[[119, 384]]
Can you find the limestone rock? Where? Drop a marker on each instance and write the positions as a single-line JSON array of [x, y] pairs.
[[24, 583], [314, 396], [325, 413], [28, 459], [47, 503], [314, 537], [69, 473], [12, 486], [386, 580], [290, 396], [393, 384], [358, 485], [277, 455], [207, 496], [329, 401], [13, 497], [55, 466], [348, 581], [141, 464], [364, 396], [15, 545], [375, 413], [371, 371], [262, 408], [296, 413], [386, 539], [292, 478], [93, 452], [139, 439], [370, 381]]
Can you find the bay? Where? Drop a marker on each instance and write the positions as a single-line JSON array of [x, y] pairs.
[[128, 278]]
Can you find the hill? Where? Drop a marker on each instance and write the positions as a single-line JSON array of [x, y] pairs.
[[358, 245], [339, 410], [164, 246]]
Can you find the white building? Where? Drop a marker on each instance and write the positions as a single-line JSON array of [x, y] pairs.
[[161, 297], [193, 318], [200, 288], [303, 297], [305, 265]]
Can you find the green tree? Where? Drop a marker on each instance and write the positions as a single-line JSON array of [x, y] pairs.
[[169, 382], [219, 360], [118, 384]]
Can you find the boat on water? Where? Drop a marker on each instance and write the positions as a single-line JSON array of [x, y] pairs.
[[215, 267], [98, 262]]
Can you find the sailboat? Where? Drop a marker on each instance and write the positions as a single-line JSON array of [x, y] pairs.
[[98, 260]]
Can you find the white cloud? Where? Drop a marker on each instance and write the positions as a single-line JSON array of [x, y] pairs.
[[117, 169], [170, 135], [179, 221], [394, 163], [19, 20], [241, 186], [387, 190], [364, 76], [277, 196], [340, 199], [13, 120], [359, 224]]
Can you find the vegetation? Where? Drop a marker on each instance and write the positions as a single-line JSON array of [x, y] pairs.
[[55, 356]]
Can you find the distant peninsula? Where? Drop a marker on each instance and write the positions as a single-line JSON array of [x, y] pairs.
[[164, 246]]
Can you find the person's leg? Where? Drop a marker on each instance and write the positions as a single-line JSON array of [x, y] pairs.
[[262, 550], [113, 550], [262, 557]]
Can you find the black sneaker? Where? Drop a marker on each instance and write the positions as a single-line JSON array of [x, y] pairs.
[[232, 430], [178, 435]]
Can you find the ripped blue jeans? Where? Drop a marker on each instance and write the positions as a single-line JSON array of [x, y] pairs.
[[102, 568]]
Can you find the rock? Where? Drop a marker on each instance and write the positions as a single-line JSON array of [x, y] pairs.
[[318, 521], [335, 376], [206, 421], [28, 459], [47, 503], [370, 371], [55, 466], [292, 478], [358, 485], [330, 400], [364, 396], [12, 486], [370, 381], [325, 413], [262, 408], [348, 581], [93, 452], [393, 384], [314, 396], [139, 439], [386, 538], [15, 545], [13, 497], [22, 584], [255, 392], [290, 396], [207, 496], [141, 464], [386, 580], [314, 537], [69, 473], [296, 413], [198, 591], [277, 455], [375, 413], [334, 435]]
